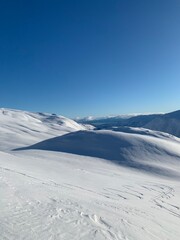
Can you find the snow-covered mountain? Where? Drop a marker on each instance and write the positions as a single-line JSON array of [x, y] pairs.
[[24, 127], [28, 118], [105, 118], [169, 123], [59, 180], [134, 120]]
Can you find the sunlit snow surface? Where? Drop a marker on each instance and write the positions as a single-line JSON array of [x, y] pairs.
[[61, 181]]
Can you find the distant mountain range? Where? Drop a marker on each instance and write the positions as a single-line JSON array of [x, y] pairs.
[[169, 122]]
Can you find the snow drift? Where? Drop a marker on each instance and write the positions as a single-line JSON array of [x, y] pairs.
[[137, 148]]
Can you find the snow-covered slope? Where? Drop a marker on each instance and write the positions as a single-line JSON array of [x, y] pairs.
[[63, 182], [24, 128], [141, 149], [136, 120], [169, 123]]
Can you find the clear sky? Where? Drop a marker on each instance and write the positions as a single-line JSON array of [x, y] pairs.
[[90, 57]]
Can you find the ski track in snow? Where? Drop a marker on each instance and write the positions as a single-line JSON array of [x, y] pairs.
[[59, 218], [74, 194], [44, 220]]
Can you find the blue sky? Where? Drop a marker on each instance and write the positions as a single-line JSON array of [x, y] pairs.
[[90, 57]]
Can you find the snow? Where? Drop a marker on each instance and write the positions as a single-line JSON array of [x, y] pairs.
[[24, 128], [110, 117], [169, 122], [59, 180]]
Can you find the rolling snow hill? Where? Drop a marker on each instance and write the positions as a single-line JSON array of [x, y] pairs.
[[147, 151], [59, 180], [23, 128]]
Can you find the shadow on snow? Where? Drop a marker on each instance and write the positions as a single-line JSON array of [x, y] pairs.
[[105, 145]]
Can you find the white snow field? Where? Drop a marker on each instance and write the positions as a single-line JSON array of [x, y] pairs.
[[59, 180]]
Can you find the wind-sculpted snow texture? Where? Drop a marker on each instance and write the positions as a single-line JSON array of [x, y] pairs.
[[147, 152], [66, 182]]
